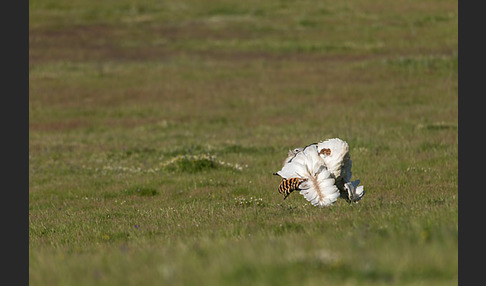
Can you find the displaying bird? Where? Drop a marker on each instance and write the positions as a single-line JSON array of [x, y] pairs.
[[321, 172]]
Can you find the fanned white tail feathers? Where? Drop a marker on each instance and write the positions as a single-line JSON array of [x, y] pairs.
[[319, 188], [323, 164]]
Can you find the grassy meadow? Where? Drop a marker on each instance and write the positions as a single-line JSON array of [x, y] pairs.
[[155, 128]]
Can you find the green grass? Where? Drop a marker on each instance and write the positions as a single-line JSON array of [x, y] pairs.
[[155, 128]]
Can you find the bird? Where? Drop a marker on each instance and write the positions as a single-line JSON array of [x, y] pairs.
[[321, 172]]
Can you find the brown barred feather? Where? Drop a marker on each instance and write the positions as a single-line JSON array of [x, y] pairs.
[[287, 186]]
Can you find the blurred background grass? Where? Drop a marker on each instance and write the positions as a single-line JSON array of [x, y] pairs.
[[155, 127]]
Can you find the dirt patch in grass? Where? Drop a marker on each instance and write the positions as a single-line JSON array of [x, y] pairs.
[[81, 123], [125, 43], [60, 125], [89, 43]]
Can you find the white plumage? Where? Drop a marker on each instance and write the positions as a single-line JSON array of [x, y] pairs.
[[291, 154], [326, 168], [319, 187], [335, 154]]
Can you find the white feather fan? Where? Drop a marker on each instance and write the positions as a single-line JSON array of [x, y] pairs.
[[319, 187]]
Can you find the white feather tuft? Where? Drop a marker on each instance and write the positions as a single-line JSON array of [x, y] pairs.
[[292, 154], [335, 153]]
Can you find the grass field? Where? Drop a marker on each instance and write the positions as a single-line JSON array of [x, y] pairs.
[[155, 127]]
